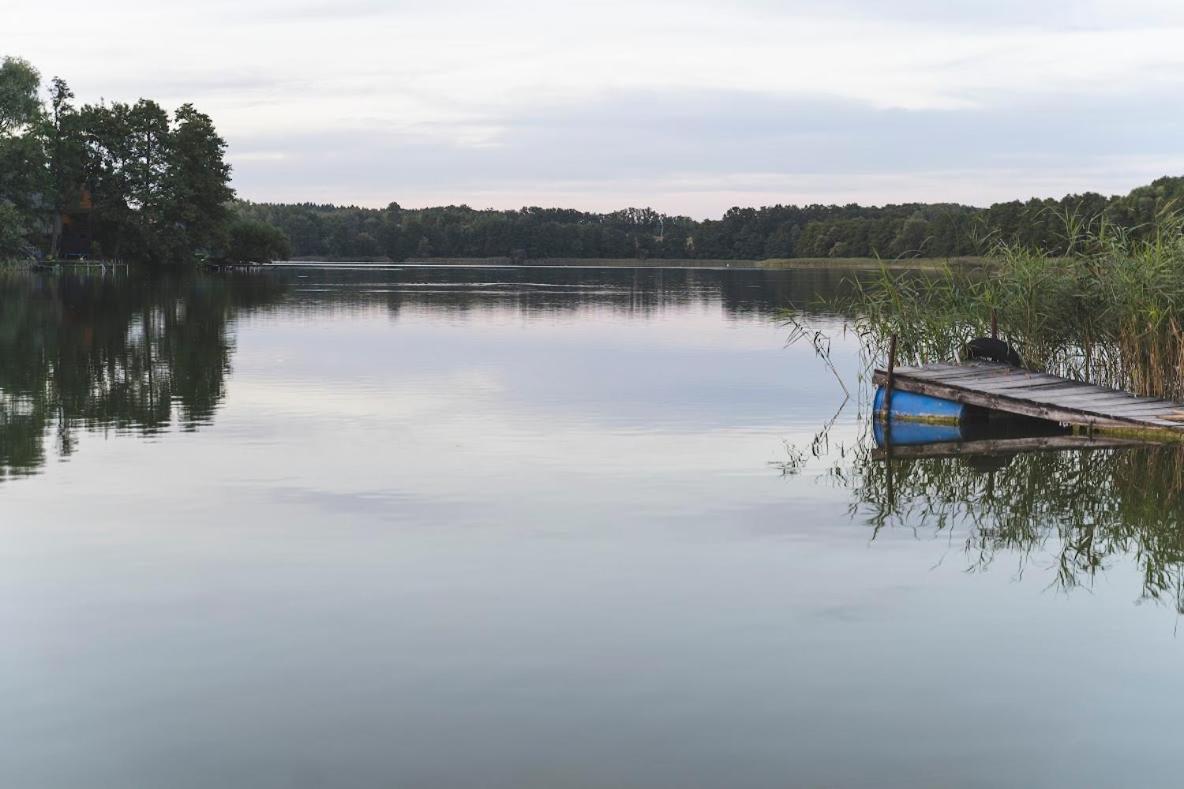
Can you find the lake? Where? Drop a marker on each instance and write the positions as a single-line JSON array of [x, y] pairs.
[[351, 526]]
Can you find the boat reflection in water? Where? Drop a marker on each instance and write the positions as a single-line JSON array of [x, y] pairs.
[[994, 435]]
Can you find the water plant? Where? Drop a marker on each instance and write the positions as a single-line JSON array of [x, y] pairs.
[[1112, 314]]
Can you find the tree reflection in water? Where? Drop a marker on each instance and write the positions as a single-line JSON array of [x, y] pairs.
[[100, 352], [1085, 508]]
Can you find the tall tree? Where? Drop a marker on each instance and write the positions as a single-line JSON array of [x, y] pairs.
[[197, 181], [20, 154], [148, 135], [19, 105], [107, 131], [65, 153]]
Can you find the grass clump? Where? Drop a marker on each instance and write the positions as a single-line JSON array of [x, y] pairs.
[[1112, 314]]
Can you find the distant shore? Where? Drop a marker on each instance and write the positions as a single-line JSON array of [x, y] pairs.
[[672, 263], [775, 263]]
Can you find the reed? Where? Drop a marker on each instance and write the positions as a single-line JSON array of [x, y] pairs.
[[1085, 510], [1113, 314]]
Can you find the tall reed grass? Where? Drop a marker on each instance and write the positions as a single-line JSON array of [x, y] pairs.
[[1113, 314]]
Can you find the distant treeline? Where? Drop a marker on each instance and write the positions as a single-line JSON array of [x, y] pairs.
[[132, 181], [781, 231]]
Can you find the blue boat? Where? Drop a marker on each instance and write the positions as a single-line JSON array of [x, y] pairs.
[[913, 407]]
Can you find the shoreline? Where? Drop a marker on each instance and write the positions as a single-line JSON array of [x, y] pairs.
[[772, 264]]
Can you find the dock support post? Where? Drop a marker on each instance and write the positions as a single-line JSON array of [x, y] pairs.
[[891, 378]]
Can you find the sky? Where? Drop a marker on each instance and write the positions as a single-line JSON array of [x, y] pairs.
[[688, 107]]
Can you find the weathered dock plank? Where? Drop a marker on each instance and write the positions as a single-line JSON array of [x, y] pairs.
[[1001, 387]]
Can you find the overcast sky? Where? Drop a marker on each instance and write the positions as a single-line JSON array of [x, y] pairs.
[[689, 106]]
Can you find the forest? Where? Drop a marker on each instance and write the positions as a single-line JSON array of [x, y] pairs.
[[909, 230], [115, 181], [134, 182]]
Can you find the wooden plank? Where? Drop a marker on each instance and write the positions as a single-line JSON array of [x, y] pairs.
[[963, 373], [998, 374], [933, 368], [1002, 376], [971, 366], [996, 402], [1114, 408], [1058, 390], [1104, 402], [960, 367], [968, 376], [1083, 392], [1109, 401], [1012, 390], [1024, 384], [1099, 398]]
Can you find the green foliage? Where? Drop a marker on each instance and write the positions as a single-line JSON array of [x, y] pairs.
[[815, 231], [252, 241], [145, 185], [65, 156], [196, 182], [12, 233], [1110, 314], [19, 105], [21, 157]]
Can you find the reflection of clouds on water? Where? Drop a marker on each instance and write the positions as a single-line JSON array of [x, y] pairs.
[[487, 554], [539, 291]]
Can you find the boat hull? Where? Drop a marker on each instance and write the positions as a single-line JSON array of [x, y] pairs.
[[913, 407]]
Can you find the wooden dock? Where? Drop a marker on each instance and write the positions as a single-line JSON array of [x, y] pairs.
[[1001, 387]]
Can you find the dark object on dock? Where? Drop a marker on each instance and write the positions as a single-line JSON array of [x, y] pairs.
[[1004, 388], [991, 349]]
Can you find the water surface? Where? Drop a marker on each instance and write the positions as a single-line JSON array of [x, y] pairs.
[[350, 526]]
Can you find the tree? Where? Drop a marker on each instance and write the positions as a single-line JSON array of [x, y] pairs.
[[148, 135], [107, 131], [12, 233], [19, 105], [195, 187], [65, 152], [252, 241], [20, 156]]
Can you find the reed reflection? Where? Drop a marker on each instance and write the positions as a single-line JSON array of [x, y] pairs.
[[1088, 509]]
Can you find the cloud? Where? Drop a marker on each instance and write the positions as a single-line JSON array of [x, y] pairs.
[[703, 151], [466, 100]]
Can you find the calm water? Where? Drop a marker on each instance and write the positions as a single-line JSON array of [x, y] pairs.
[[543, 528]]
